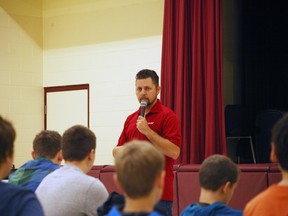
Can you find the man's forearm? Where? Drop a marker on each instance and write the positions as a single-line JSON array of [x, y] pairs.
[[164, 145]]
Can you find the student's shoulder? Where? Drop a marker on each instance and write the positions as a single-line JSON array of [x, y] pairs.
[[265, 200], [20, 201], [263, 197], [17, 194], [92, 182], [13, 189]]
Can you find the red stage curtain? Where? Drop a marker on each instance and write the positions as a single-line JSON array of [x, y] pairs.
[[191, 75]]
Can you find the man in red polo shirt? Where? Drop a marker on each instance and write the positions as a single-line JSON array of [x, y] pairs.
[[159, 125]]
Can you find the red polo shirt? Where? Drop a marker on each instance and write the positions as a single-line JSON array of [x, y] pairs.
[[165, 123]]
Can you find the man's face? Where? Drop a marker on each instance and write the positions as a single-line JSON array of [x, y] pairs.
[[146, 89]]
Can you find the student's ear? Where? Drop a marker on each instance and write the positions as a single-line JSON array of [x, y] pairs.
[[273, 156], [59, 157], [159, 185], [33, 154], [116, 181], [160, 181], [91, 154], [226, 187], [227, 191]]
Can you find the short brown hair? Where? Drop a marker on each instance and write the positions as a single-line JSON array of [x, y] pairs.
[[77, 142], [47, 144], [147, 73], [216, 170], [137, 165], [7, 138]]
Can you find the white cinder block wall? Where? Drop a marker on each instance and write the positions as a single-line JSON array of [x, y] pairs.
[[110, 70], [21, 86]]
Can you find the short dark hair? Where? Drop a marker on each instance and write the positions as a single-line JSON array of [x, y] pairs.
[[77, 142], [7, 138], [47, 144], [146, 73], [216, 170], [280, 140]]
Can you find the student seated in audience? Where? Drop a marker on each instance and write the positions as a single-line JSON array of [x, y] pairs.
[[46, 156], [140, 174], [69, 190], [14, 200], [273, 201], [218, 178]]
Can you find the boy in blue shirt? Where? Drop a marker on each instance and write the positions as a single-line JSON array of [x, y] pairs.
[[218, 177]]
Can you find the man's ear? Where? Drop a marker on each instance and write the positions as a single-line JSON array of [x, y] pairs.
[[273, 156], [158, 89]]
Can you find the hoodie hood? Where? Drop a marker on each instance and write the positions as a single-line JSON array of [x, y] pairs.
[[215, 209]]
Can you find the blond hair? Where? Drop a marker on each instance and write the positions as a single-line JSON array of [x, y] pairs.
[[138, 164]]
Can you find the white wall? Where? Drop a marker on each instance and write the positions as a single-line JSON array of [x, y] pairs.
[[110, 69], [21, 87]]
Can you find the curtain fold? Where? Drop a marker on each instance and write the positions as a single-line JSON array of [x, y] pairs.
[[191, 75]]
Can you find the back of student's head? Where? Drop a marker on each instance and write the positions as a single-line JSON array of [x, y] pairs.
[[7, 138], [138, 164], [280, 140], [77, 143], [47, 144], [216, 170]]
